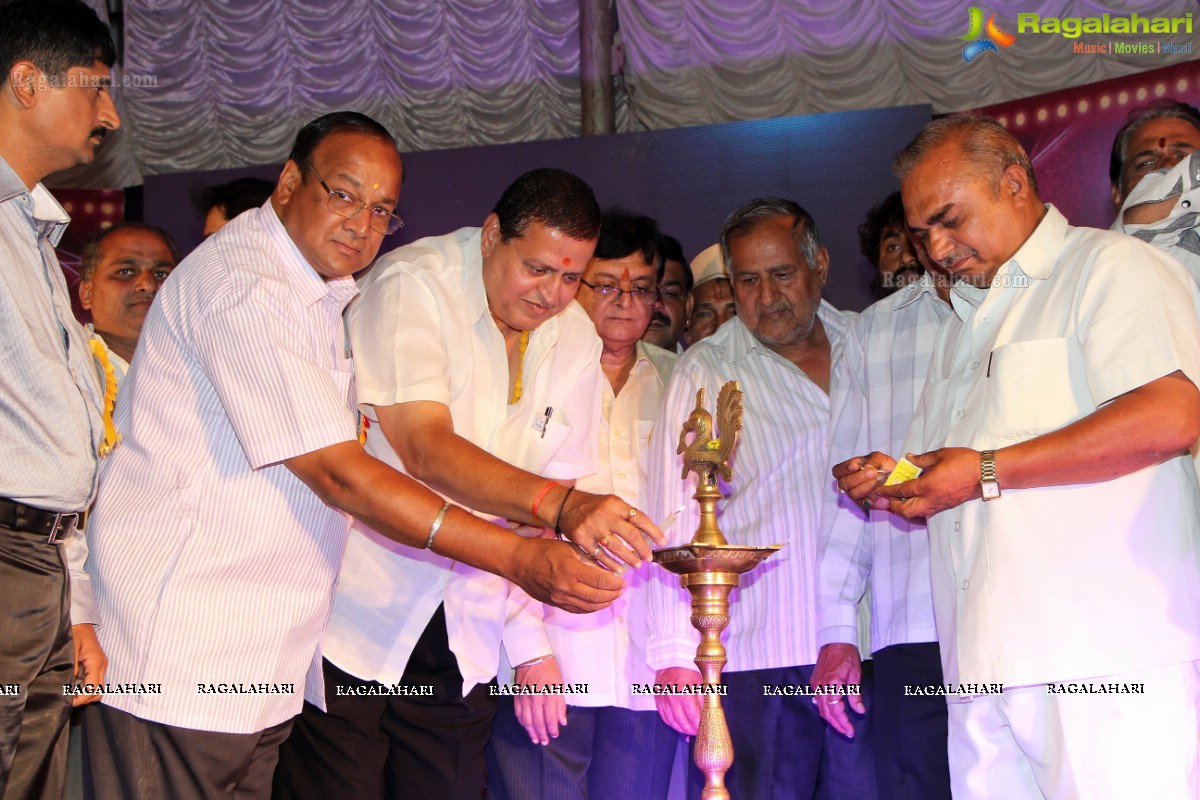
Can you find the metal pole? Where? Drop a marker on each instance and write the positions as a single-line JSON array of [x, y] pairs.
[[598, 115]]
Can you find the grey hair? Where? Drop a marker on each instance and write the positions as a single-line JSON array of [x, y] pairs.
[[987, 144], [761, 209]]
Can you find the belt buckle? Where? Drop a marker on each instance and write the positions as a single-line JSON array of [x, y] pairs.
[[64, 523]]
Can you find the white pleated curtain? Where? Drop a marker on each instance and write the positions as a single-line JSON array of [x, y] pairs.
[[235, 79]]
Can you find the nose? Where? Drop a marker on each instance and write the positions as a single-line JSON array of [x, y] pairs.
[[108, 116], [146, 282], [908, 254], [359, 225], [938, 245]]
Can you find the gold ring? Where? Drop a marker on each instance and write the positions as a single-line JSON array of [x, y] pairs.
[[633, 512], [604, 541], [596, 551]]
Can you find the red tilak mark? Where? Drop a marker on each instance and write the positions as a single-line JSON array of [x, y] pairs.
[[566, 262], [1162, 141]]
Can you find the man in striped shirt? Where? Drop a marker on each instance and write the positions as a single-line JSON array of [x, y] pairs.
[[220, 528], [782, 347]]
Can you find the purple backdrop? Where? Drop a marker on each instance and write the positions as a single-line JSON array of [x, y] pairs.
[[689, 179]]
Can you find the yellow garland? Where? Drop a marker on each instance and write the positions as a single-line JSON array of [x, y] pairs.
[[111, 438], [516, 395]]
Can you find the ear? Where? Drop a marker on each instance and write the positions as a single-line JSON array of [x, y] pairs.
[[687, 311], [289, 182], [490, 235], [822, 265], [85, 295], [1118, 197], [23, 80], [1014, 183]]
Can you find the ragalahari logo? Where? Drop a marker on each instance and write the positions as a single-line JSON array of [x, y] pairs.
[[982, 37]]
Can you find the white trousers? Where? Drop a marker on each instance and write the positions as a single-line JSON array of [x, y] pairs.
[[1030, 743]]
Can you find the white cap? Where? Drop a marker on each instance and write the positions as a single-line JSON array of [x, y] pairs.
[[708, 266]]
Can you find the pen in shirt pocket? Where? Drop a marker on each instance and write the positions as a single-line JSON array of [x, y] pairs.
[[989, 367], [546, 420]]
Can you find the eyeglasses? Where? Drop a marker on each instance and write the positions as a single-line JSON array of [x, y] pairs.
[[347, 205], [611, 294]]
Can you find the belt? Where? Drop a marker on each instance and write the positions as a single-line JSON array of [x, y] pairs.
[[54, 525]]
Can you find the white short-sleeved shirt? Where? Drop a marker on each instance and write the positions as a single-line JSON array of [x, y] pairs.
[[213, 563], [1063, 582], [422, 331], [875, 391], [779, 479], [607, 649]]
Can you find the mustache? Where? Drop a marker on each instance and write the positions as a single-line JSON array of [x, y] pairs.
[[955, 256], [658, 316]]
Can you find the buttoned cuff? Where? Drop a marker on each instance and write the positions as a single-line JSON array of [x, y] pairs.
[[84, 607], [676, 651]]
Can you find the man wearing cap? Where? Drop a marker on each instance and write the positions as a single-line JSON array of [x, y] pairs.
[[711, 302]]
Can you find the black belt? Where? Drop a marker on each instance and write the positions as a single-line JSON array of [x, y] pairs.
[[54, 525]]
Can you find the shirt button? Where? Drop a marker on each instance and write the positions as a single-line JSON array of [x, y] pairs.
[[621, 475], [959, 413], [965, 584], [957, 526], [1186, 204], [984, 319], [974, 365]]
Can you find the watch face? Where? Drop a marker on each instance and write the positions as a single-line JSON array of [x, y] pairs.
[[991, 489]]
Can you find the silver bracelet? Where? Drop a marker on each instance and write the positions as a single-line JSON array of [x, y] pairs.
[[437, 523]]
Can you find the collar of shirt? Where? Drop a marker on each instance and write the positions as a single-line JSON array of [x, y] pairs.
[[740, 342], [661, 360], [308, 284], [1035, 259], [916, 289], [46, 216]]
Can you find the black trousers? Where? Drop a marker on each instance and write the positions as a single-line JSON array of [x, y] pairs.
[[394, 747], [129, 758], [910, 730], [603, 753], [37, 657], [783, 750]]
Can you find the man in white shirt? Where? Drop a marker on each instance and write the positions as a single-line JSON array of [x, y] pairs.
[[478, 376], [613, 746], [782, 347], [120, 271], [881, 375], [217, 537], [1054, 431], [55, 110]]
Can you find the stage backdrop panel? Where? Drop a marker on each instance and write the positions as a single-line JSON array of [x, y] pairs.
[[689, 179], [1068, 134]]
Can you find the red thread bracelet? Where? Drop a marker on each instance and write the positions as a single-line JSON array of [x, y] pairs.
[[533, 509]]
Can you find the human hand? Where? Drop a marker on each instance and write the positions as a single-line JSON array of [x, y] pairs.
[[680, 711], [838, 665], [950, 478], [860, 477], [554, 572], [540, 714], [607, 529], [90, 662]]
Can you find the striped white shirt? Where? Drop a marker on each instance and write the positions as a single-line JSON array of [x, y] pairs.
[[607, 649], [874, 393], [422, 331], [779, 478], [213, 563]]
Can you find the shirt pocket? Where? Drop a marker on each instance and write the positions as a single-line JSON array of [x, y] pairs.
[[1027, 391], [530, 440]]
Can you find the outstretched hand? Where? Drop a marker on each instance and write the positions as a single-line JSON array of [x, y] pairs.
[[951, 478], [609, 530], [555, 573], [860, 478]]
